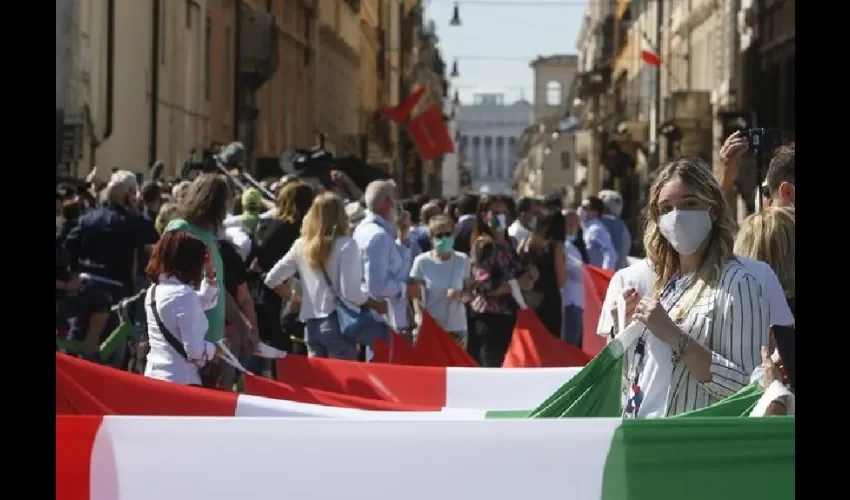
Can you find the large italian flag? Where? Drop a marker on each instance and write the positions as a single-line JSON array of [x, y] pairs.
[[336, 389], [431, 387], [143, 458]]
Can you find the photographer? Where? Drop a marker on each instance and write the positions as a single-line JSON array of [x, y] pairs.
[[778, 188]]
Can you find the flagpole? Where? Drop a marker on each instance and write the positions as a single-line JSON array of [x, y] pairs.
[[659, 22]]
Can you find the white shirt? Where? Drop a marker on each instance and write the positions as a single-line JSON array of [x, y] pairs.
[[600, 247], [774, 295], [638, 275], [240, 239], [731, 321], [517, 231], [572, 293], [181, 309], [343, 268], [641, 276], [440, 276]]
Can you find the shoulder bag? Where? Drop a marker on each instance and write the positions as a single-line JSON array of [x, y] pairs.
[[357, 324], [210, 373], [533, 298]]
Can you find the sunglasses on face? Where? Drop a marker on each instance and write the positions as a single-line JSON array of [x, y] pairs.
[[443, 235]]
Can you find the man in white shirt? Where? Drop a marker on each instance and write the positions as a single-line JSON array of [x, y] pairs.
[[525, 220], [597, 239]]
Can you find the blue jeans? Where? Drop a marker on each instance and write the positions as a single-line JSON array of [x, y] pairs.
[[571, 326], [325, 340]]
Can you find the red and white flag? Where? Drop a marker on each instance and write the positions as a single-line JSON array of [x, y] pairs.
[[402, 112], [429, 133], [648, 53]]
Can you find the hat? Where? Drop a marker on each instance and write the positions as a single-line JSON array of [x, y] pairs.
[[252, 200], [355, 212], [613, 201]]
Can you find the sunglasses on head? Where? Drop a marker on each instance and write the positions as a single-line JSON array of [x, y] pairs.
[[765, 191], [443, 235]]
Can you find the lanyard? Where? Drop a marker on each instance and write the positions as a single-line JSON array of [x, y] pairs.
[[669, 296]]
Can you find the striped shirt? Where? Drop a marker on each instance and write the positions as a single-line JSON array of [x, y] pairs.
[[732, 322]]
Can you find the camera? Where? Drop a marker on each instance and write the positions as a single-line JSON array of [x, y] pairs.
[[763, 139]]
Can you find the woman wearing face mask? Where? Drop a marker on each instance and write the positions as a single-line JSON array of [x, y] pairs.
[[705, 320], [444, 274], [494, 264]]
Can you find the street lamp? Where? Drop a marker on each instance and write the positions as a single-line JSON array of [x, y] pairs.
[[455, 16], [455, 72]]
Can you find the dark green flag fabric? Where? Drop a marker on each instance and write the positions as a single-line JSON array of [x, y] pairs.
[[701, 459]]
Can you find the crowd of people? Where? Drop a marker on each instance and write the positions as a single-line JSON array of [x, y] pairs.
[[326, 270]]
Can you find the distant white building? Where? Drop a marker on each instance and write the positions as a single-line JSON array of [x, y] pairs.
[[490, 135]]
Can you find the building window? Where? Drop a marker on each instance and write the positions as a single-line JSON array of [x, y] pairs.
[[208, 60], [500, 157], [163, 27], [488, 157], [308, 14], [565, 160], [553, 94], [192, 10], [228, 66]]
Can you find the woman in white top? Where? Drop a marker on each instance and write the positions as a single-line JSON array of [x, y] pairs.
[[324, 246], [180, 297], [705, 319], [444, 274], [572, 291]]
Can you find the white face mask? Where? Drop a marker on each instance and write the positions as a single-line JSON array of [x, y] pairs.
[[686, 230], [532, 223]]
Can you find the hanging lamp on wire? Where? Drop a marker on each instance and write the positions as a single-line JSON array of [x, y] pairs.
[[456, 98], [455, 16], [455, 73]]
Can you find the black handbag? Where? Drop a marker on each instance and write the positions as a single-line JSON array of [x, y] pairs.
[[210, 373]]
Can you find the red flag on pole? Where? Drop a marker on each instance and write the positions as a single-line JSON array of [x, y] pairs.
[[429, 133], [648, 53], [402, 112]]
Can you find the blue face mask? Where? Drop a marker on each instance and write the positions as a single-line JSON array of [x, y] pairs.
[[444, 245]]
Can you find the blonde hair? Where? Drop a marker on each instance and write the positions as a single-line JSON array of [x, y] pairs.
[[166, 214], [324, 223], [769, 236], [697, 176], [179, 191]]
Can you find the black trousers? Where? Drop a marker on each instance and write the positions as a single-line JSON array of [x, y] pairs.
[[494, 332], [473, 346]]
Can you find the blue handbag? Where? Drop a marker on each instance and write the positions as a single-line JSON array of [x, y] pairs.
[[357, 324]]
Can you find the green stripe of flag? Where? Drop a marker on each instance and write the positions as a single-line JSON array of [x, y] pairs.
[[701, 459]]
